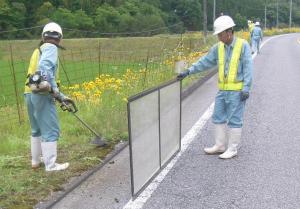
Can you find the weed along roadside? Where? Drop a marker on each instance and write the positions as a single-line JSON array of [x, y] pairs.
[[100, 84]]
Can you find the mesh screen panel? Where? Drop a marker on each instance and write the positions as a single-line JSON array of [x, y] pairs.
[[154, 127], [144, 139], [169, 121]]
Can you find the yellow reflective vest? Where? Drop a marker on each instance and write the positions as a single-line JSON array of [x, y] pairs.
[[229, 82], [251, 26], [33, 65]]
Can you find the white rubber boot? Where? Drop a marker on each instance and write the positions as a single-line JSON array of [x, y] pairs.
[[234, 139], [49, 150], [220, 138], [36, 152]]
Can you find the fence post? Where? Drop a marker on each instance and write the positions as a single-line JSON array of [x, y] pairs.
[[82, 64], [99, 58], [12, 67], [146, 68]]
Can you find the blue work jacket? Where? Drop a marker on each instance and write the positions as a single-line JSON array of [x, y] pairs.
[[210, 60], [257, 33], [48, 63]]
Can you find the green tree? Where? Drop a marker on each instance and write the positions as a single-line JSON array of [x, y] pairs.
[[127, 23], [45, 11], [12, 19], [155, 3], [65, 18], [240, 21], [107, 19], [190, 13], [84, 22], [134, 15]]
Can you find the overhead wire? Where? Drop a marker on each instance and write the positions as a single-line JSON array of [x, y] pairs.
[[122, 33], [21, 29], [98, 32]]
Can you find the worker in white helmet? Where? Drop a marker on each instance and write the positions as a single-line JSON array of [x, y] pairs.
[[256, 37], [40, 91], [250, 25], [250, 29], [232, 55]]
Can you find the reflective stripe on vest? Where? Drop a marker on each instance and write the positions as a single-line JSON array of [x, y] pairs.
[[229, 83]]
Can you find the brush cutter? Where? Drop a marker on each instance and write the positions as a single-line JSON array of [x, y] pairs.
[[37, 83], [69, 105]]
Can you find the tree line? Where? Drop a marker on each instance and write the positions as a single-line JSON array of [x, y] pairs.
[[20, 19]]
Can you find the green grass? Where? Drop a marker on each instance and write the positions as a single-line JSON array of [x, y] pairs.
[[22, 187]]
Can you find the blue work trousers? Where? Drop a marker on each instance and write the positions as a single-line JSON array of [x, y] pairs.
[[229, 109], [42, 116], [255, 45]]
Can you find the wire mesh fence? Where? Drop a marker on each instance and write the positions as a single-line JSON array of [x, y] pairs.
[[86, 59]]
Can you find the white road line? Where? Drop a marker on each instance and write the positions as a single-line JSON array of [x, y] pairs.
[[266, 41], [185, 142]]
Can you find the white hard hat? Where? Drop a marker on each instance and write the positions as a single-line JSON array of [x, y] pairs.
[[53, 30], [223, 23], [249, 21], [257, 23]]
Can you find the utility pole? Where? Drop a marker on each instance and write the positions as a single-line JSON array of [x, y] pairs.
[[214, 11], [205, 19], [265, 15], [291, 9], [277, 15]]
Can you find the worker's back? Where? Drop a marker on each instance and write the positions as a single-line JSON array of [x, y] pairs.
[[256, 33]]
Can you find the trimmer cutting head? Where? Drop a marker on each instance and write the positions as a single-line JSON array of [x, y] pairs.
[[99, 142]]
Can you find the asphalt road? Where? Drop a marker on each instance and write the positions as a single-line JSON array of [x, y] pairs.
[[264, 175]]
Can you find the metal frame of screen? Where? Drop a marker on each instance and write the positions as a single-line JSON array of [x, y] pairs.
[[161, 166]]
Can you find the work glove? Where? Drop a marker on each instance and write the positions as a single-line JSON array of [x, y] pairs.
[[58, 96], [244, 95], [69, 105], [67, 100], [61, 98], [183, 74]]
